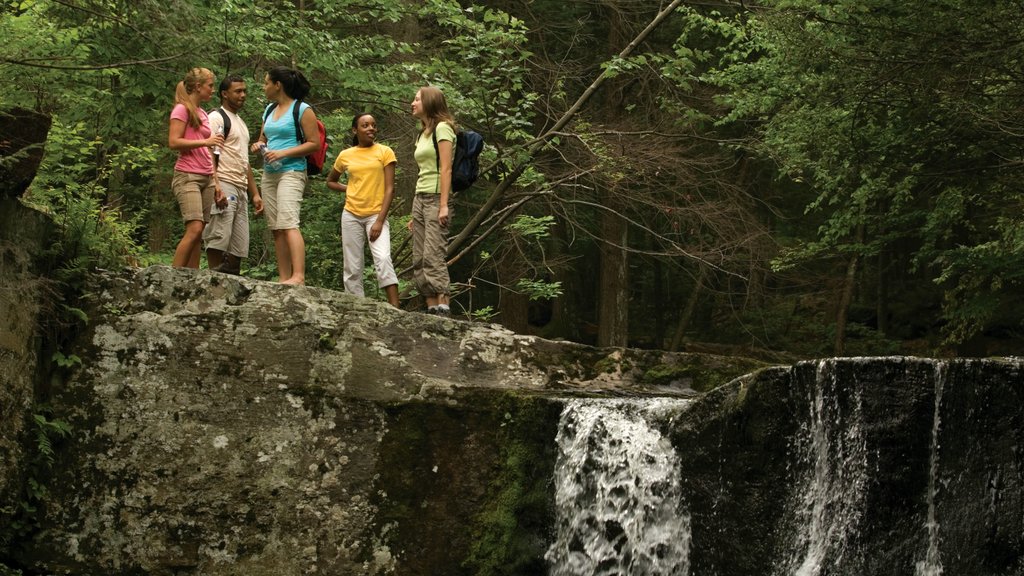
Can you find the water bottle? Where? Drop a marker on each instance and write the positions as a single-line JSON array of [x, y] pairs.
[[272, 165], [216, 149]]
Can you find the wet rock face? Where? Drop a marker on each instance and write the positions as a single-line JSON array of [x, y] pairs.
[[887, 466], [229, 426]]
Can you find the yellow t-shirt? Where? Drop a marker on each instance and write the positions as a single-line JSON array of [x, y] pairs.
[[365, 166], [426, 159]]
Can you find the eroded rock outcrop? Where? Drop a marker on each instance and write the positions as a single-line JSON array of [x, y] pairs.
[[25, 294], [230, 426]]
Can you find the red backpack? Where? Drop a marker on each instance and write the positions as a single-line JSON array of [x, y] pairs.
[[315, 161]]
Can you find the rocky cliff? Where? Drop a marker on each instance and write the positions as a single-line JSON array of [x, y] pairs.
[[25, 293], [230, 426]]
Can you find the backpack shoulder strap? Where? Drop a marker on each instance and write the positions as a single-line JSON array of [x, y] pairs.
[[227, 120], [300, 137], [437, 151], [268, 111]]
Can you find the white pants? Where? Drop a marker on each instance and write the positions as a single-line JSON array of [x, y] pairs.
[[355, 230]]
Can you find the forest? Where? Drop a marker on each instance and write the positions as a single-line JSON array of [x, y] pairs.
[[782, 179]]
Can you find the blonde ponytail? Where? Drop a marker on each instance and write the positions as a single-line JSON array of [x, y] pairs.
[[183, 91]]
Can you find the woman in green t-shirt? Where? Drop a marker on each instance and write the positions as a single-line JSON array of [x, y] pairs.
[[431, 214]]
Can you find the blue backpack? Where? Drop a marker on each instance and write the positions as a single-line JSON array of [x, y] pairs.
[[466, 166]]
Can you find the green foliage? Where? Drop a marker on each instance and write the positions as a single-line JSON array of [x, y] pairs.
[[48, 432], [68, 361], [533, 228], [73, 187], [865, 103], [484, 314], [539, 290]]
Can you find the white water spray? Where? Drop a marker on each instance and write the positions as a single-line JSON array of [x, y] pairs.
[[932, 563], [617, 492], [831, 497]]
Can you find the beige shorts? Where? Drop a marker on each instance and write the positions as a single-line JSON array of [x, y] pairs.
[[228, 228], [282, 198], [194, 193]]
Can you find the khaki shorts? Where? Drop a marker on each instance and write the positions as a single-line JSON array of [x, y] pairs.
[[282, 198], [194, 193], [228, 228]]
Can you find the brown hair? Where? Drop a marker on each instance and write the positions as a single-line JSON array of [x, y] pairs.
[[194, 78], [435, 108]]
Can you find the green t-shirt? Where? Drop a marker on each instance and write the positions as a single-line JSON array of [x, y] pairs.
[[426, 159]]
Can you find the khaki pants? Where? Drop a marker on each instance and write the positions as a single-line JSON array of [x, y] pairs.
[[429, 246]]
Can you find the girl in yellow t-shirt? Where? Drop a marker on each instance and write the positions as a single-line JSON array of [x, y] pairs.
[[368, 195]]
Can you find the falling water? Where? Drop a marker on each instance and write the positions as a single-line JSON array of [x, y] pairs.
[[617, 492], [830, 499], [932, 564]]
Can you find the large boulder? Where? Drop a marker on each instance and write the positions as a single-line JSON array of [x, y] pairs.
[[27, 297], [22, 143], [230, 426]]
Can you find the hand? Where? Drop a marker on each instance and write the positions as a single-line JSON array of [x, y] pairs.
[[273, 155], [255, 148], [442, 216], [257, 204], [219, 198], [215, 140], [376, 229]]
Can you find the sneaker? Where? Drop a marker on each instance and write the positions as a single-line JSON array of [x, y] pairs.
[[444, 312]]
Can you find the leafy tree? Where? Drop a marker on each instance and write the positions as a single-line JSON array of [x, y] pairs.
[[901, 121]]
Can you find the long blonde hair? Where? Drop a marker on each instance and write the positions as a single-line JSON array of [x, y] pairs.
[[194, 78], [435, 108]]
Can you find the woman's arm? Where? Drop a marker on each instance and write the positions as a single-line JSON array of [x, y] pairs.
[[176, 138], [333, 183], [444, 149]]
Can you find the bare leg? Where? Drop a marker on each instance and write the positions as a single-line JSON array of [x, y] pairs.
[[297, 251], [232, 265], [392, 292], [186, 255], [214, 258], [284, 257]]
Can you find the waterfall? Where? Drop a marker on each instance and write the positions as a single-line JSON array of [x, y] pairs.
[[617, 492], [830, 498], [932, 564]]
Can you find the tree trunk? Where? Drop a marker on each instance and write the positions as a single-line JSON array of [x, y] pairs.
[[687, 313], [613, 307], [513, 306], [847, 297], [883, 294]]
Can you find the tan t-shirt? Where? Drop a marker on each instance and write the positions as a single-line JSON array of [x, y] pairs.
[[234, 155]]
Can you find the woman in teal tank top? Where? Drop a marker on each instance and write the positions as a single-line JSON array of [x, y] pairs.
[[284, 167]]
